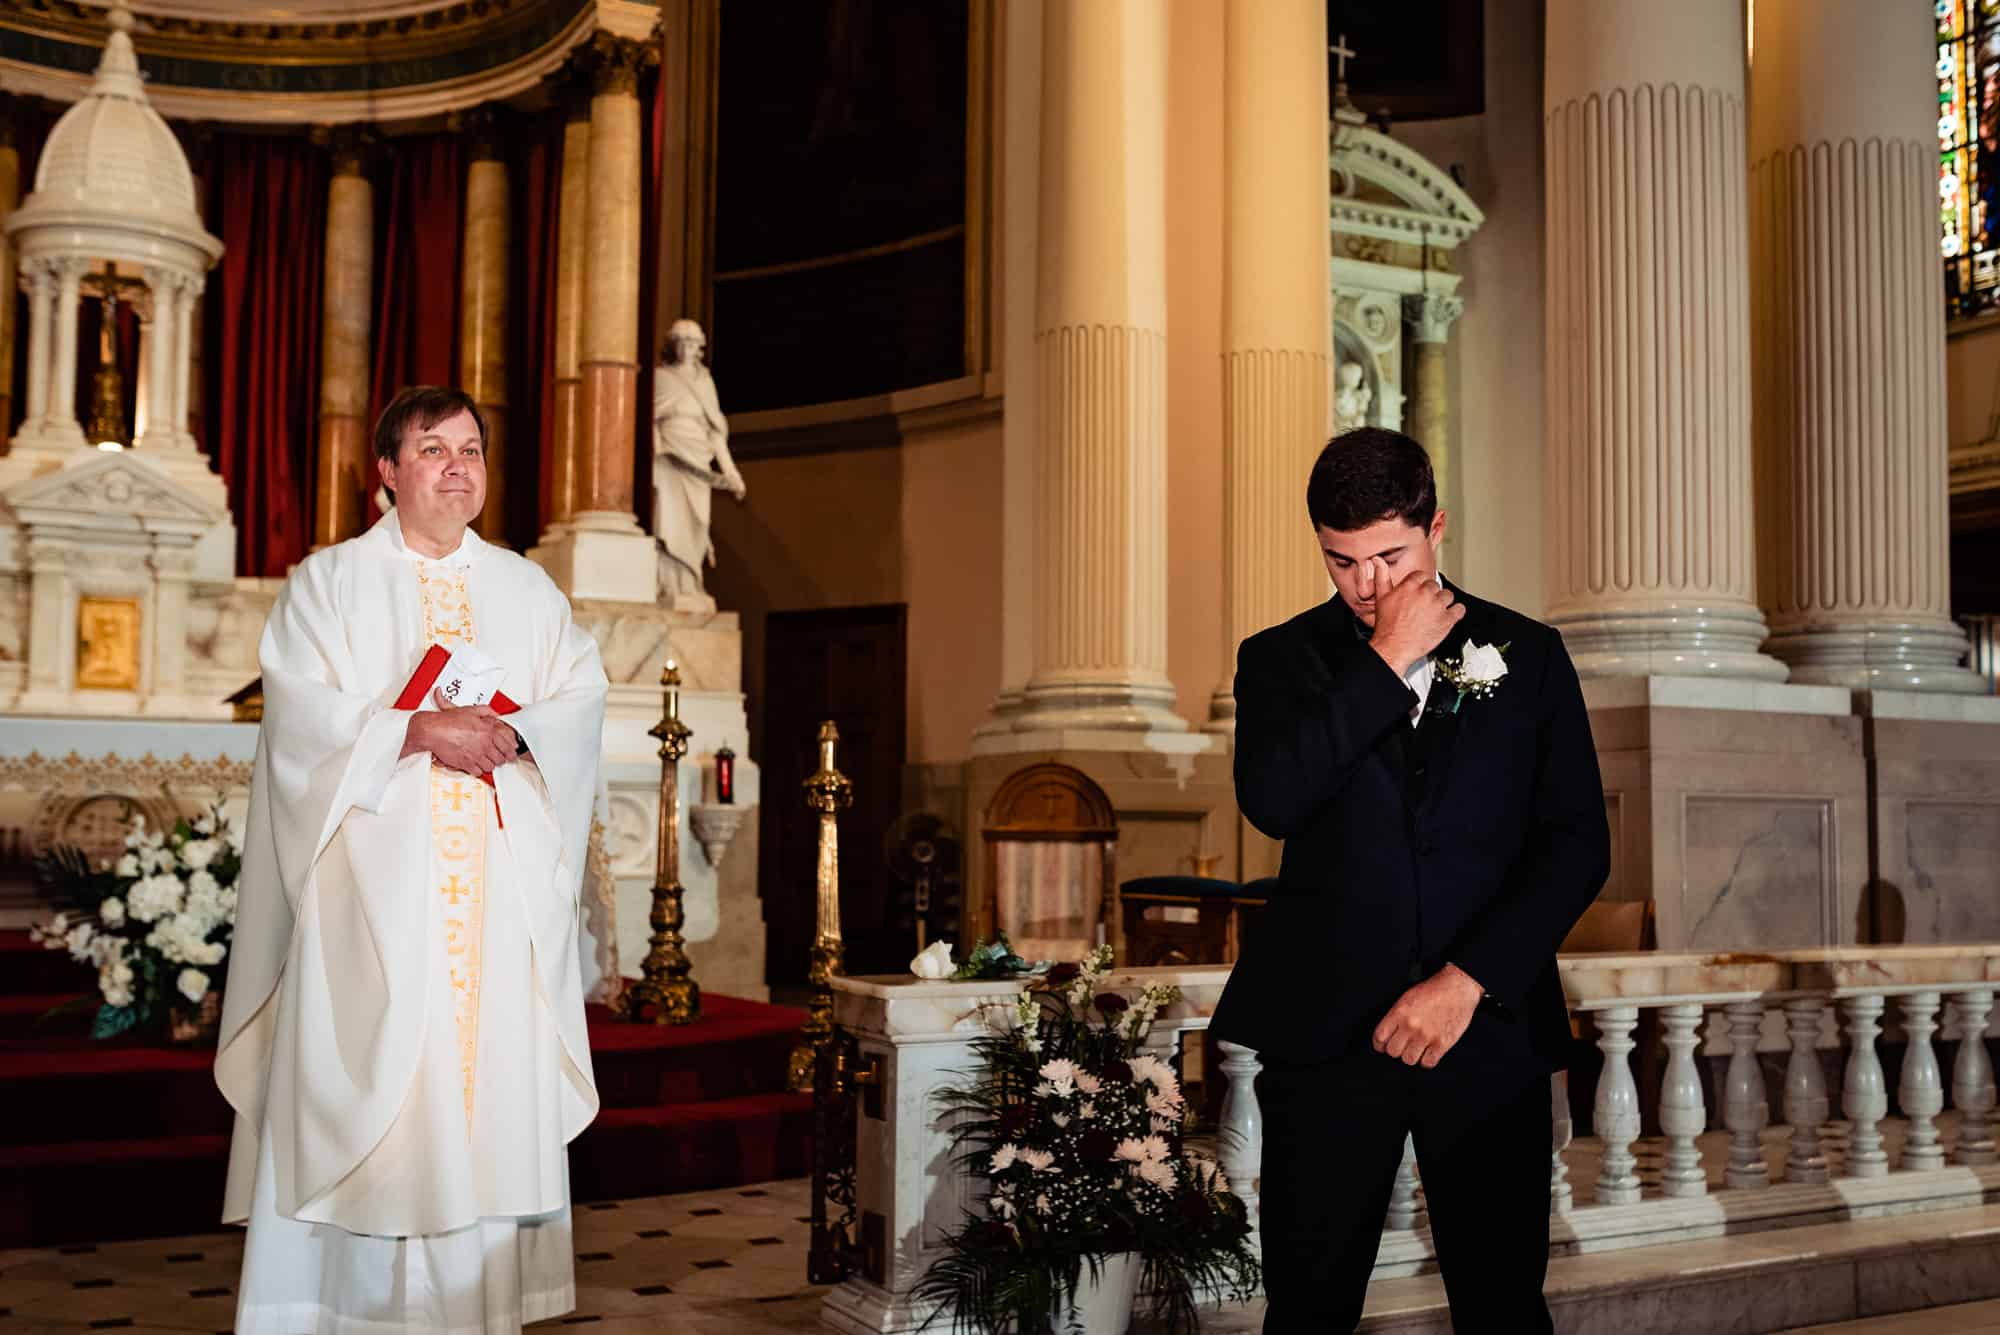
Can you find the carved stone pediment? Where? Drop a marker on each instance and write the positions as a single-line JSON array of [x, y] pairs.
[[107, 493], [1388, 192]]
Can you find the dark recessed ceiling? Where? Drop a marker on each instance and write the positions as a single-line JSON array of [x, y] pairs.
[[1415, 60]]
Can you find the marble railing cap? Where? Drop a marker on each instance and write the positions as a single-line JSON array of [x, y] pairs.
[[1592, 982]]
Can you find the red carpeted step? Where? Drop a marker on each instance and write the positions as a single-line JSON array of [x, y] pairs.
[[106, 1190], [26, 967], [29, 1015], [736, 1049], [74, 1089], [657, 1151]]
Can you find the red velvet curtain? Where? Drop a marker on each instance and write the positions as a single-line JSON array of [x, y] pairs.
[[267, 201], [419, 232], [536, 173]]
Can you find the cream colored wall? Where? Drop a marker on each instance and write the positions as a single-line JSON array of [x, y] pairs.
[[1196, 656], [1496, 349], [919, 525], [1972, 383]]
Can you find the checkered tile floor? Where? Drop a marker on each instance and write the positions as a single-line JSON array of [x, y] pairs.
[[706, 1263]]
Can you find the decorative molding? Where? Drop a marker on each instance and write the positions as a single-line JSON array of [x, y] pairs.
[[1431, 315], [75, 773], [615, 63]]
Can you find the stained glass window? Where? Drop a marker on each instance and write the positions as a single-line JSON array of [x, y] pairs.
[[1968, 75]]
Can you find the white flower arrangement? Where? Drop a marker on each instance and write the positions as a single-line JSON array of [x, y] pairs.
[[1477, 671], [156, 922]]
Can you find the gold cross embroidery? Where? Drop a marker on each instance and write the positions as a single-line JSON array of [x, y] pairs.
[[457, 796], [453, 888]]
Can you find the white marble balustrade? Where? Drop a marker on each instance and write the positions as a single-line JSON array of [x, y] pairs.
[[1718, 1165]]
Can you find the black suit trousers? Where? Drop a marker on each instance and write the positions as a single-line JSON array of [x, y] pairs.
[[1333, 1139]]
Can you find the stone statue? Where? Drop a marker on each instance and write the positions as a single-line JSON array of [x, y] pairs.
[[1351, 398], [690, 459]]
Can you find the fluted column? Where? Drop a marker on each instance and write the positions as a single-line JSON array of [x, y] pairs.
[[343, 476], [1430, 316], [566, 447], [1849, 339], [1275, 322], [1648, 456], [10, 195], [1100, 643], [482, 306]]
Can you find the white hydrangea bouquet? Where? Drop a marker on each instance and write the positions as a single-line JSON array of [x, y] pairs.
[[1075, 1134], [156, 923]]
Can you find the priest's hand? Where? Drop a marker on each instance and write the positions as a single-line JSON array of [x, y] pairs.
[[471, 739], [1430, 1018]]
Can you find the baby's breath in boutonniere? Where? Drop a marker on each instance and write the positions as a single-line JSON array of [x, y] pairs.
[[1477, 671]]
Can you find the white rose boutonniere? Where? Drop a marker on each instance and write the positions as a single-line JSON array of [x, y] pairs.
[[1477, 671]]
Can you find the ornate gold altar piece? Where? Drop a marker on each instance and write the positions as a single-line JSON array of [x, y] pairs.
[[107, 643], [667, 988], [828, 792]]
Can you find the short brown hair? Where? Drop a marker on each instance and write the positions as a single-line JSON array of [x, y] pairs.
[[422, 406]]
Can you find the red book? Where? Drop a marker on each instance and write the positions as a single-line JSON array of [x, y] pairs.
[[424, 680]]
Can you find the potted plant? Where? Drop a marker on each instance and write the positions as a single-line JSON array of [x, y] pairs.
[[1090, 1195], [156, 924]]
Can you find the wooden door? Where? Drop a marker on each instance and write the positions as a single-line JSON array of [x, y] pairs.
[[846, 664]]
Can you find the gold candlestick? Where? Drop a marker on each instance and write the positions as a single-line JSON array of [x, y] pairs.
[[667, 988], [828, 792]]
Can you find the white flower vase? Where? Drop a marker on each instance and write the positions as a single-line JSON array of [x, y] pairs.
[[1103, 1305]]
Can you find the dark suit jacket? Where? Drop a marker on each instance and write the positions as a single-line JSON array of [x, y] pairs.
[[1476, 839]]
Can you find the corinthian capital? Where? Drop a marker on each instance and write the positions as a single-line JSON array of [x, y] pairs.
[[615, 63], [1431, 315]]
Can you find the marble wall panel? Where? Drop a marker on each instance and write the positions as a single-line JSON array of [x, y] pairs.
[[1757, 873], [1936, 813]]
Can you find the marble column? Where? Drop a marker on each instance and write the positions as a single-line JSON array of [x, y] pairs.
[[41, 320], [343, 476], [188, 295], [1430, 316], [1848, 341], [1276, 326], [156, 354], [604, 553], [566, 386], [482, 306], [1100, 641], [1648, 394], [10, 195], [61, 423]]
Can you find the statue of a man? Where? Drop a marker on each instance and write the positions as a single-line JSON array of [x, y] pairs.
[[690, 458]]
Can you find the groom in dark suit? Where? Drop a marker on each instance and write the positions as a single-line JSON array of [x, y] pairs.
[[1426, 759]]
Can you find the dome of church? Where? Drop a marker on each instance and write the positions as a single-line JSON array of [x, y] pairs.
[[111, 153]]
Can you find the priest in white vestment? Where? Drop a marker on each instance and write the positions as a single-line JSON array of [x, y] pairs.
[[403, 1032]]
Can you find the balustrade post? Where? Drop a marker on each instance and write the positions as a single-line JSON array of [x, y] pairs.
[[1972, 1078], [1561, 1196], [1806, 1103], [1865, 1096], [1745, 1109], [1920, 1090], [1239, 1140], [1683, 1111], [1403, 1211], [1615, 1111]]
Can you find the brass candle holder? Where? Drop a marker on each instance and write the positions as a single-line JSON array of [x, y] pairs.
[[828, 792], [667, 988]]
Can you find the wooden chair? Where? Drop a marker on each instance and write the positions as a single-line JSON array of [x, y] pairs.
[[1188, 919], [1051, 866]]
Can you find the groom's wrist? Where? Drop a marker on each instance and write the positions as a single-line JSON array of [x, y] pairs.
[[1463, 981]]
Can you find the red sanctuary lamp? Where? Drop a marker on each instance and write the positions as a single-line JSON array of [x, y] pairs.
[[725, 776]]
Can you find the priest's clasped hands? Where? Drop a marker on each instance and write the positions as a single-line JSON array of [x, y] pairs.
[[469, 738]]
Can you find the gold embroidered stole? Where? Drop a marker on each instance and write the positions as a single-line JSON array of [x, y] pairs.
[[458, 832]]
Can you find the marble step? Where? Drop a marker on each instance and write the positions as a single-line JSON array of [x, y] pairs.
[[1750, 1284], [1959, 1319]]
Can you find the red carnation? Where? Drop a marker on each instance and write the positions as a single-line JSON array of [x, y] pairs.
[[1111, 1003]]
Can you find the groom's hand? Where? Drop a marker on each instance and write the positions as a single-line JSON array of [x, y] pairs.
[[1430, 1018], [1412, 616]]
